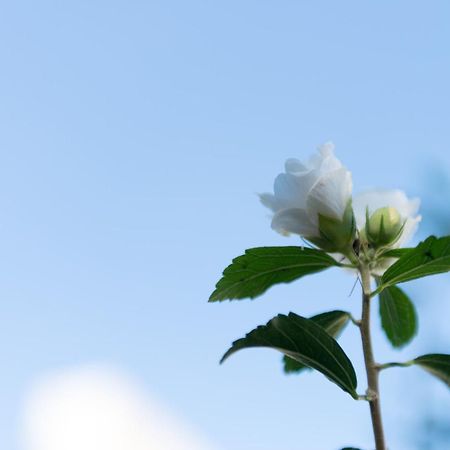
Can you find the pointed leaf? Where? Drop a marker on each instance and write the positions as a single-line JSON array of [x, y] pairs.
[[430, 257], [333, 322], [398, 316], [306, 342], [437, 364], [260, 268]]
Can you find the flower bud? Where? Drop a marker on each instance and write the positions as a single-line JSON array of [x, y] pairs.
[[384, 226]]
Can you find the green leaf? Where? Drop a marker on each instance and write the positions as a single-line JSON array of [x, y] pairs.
[[306, 342], [333, 322], [430, 257], [437, 364], [398, 316], [396, 252], [260, 268]]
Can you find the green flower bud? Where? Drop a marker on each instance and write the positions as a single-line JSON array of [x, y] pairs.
[[384, 226], [336, 235]]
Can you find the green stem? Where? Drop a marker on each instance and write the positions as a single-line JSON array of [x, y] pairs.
[[373, 392]]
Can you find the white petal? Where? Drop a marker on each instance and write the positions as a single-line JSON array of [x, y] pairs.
[[270, 201], [326, 149], [324, 152], [328, 162], [409, 230], [290, 190], [324, 160], [330, 195], [294, 220], [294, 166]]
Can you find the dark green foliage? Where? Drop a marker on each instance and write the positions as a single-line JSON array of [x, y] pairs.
[[333, 322], [430, 257], [437, 364], [260, 268], [398, 316], [306, 342]]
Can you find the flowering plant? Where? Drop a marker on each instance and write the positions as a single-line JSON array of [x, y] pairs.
[[367, 234]]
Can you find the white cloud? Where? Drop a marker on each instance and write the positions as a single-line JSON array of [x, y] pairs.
[[97, 408]]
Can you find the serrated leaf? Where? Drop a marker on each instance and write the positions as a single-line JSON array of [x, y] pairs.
[[333, 322], [437, 364], [303, 340], [260, 268], [398, 316], [430, 257]]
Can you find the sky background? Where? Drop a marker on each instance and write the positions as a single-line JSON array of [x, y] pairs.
[[134, 137]]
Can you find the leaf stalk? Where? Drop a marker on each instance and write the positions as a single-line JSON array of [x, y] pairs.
[[388, 365], [355, 321]]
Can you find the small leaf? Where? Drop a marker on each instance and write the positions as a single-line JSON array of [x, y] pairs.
[[306, 342], [333, 322], [398, 316], [260, 268], [436, 364], [430, 257]]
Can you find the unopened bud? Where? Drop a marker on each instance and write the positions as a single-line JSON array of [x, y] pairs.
[[384, 226]]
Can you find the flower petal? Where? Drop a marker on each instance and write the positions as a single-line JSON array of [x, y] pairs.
[[328, 162], [290, 190], [326, 149], [330, 195], [409, 230], [294, 220], [270, 201], [294, 166]]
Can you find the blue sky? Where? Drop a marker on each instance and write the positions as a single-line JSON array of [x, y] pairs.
[[133, 138]]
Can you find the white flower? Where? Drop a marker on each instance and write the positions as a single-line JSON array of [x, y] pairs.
[[322, 186], [375, 199]]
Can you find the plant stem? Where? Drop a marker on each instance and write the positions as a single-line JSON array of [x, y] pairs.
[[373, 391]]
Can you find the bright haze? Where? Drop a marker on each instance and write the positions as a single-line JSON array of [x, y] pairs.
[[99, 408]]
